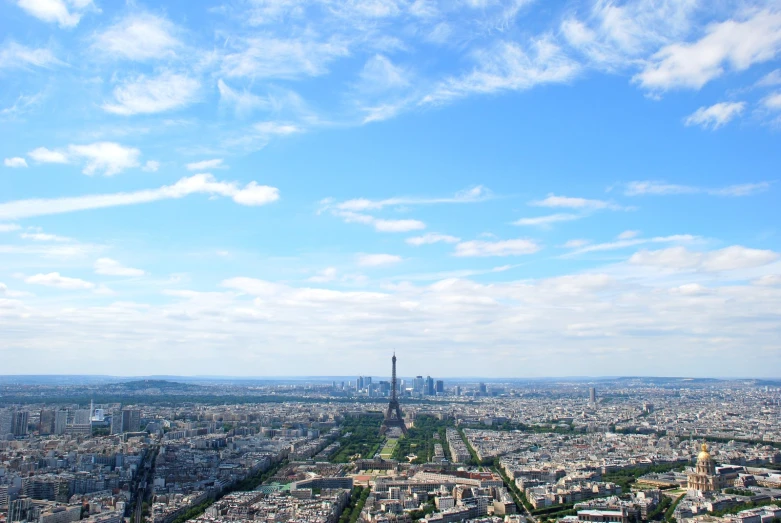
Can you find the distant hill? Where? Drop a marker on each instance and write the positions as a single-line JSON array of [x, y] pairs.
[[160, 385]]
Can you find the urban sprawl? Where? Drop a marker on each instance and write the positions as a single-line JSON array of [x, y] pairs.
[[605, 451]]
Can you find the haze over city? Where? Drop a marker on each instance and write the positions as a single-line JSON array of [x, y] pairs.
[[290, 188]]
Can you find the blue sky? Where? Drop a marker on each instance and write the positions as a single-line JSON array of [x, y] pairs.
[[490, 188]]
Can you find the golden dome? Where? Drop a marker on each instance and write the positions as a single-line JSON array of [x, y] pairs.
[[704, 455]]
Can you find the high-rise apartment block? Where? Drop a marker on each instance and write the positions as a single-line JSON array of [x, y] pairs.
[[131, 420], [60, 422], [46, 422], [19, 423]]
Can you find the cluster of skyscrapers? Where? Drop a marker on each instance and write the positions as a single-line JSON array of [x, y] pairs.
[[418, 386]]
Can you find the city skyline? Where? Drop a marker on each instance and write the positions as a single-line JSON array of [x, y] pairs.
[[507, 189]]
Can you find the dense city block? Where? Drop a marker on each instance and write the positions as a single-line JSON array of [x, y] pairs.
[[610, 451]]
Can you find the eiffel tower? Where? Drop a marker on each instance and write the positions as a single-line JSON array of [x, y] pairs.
[[393, 419]]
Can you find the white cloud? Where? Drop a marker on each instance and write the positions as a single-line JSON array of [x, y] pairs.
[[110, 267], [9, 227], [381, 225], [398, 225], [16, 161], [276, 128], [496, 248], [574, 203], [716, 115], [771, 79], [138, 37], [24, 103], [432, 237], [615, 36], [244, 102], [54, 279], [142, 95], [651, 187], [768, 280], [324, 276], [43, 237], [266, 57], [14, 55], [632, 242], [547, 220], [727, 259], [628, 235], [772, 101], [151, 166], [576, 243], [250, 194], [380, 74], [474, 194], [108, 158], [743, 189], [593, 323], [65, 14], [376, 260], [508, 66], [691, 289], [205, 165], [44, 155], [738, 44]]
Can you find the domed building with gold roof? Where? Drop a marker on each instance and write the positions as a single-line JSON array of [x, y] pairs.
[[704, 478]]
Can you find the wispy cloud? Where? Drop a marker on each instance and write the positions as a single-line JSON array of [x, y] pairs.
[[205, 165], [250, 194], [631, 242], [432, 237], [107, 158], [628, 235], [483, 248], [109, 267], [64, 14], [43, 237], [576, 203], [737, 44], [508, 66], [138, 37], [243, 102], [324, 276], [716, 115], [547, 220], [727, 259], [771, 79], [55, 279], [24, 103], [475, 194], [165, 92], [379, 224], [269, 57], [14, 55], [650, 187], [377, 260], [773, 101]]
